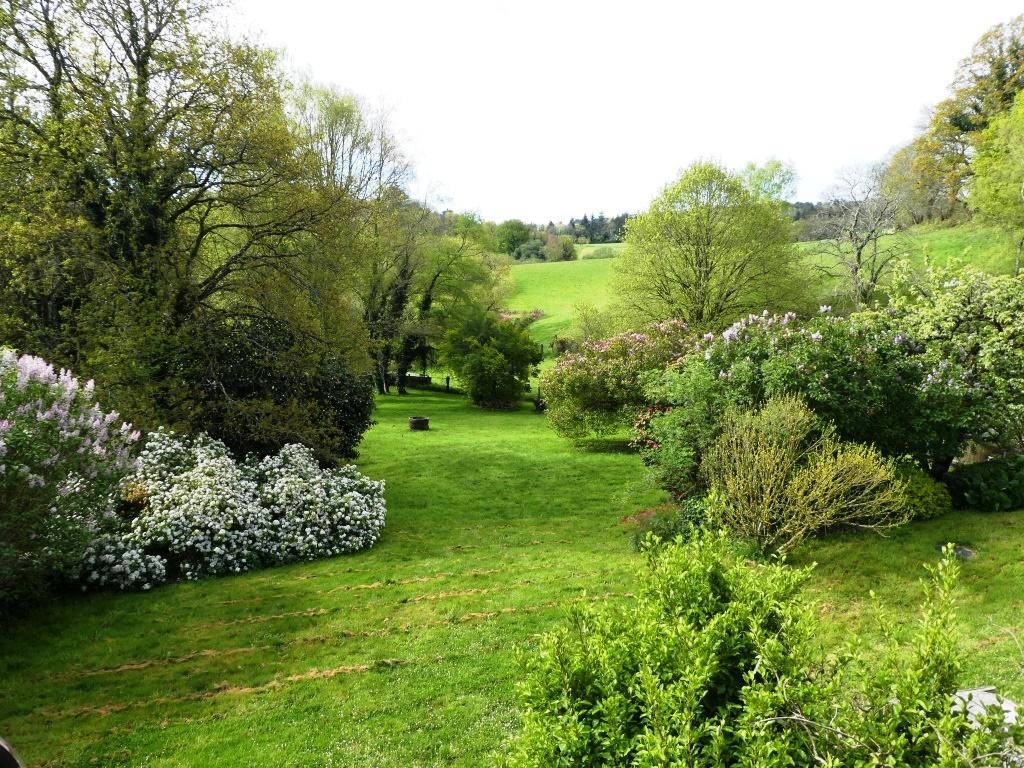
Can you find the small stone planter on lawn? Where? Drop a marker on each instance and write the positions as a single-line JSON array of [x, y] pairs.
[[419, 423]]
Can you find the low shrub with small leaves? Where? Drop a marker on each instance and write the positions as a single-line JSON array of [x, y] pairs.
[[670, 522], [777, 476], [923, 496], [191, 510], [714, 665], [994, 485]]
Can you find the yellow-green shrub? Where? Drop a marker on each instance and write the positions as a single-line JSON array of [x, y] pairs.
[[777, 476]]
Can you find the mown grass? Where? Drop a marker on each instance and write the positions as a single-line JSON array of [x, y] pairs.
[[404, 655], [399, 656], [989, 600], [557, 288]]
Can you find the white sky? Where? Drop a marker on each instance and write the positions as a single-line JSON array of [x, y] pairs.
[[546, 109]]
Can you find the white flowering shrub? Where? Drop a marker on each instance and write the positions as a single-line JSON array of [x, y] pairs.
[[200, 513], [60, 453]]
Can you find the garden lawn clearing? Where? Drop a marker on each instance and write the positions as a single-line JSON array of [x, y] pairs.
[[402, 655], [405, 654]]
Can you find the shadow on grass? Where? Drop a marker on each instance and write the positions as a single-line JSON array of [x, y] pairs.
[[605, 445]]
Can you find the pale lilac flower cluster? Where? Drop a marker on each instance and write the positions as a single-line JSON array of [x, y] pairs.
[[738, 330], [205, 514], [57, 423], [667, 337]]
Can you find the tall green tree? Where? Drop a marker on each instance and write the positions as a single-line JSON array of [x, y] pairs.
[[175, 174], [493, 358], [997, 189], [511, 234], [984, 85], [706, 250]]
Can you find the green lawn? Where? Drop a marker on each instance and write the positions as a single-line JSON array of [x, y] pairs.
[[399, 656], [404, 655], [558, 287]]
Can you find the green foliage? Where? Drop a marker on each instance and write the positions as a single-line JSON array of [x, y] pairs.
[[984, 86], [694, 672], [707, 249], [997, 185], [777, 476], [253, 384], [493, 358], [559, 248], [599, 388], [714, 665], [923, 497], [937, 369], [60, 455], [774, 181], [994, 485], [670, 522], [511, 234], [676, 434], [970, 324], [600, 252], [531, 250]]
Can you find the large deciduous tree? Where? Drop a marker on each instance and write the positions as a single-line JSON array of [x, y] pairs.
[[707, 249], [985, 84], [997, 190], [161, 189]]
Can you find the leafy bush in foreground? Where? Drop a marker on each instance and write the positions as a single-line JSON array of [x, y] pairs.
[[923, 496], [192, 511], [60, 453], [714, 665], [995, 485], [777, 476]]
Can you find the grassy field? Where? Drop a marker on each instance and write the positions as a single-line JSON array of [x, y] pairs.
[[559, 287], [405, 655]]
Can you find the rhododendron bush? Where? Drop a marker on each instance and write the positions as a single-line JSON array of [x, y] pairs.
[[60, 453], [190, 510]]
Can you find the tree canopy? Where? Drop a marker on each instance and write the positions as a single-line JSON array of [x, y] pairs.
[[707, 249]]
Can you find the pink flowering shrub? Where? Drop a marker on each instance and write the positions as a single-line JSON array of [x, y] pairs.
[[599, 388], [60, 453]]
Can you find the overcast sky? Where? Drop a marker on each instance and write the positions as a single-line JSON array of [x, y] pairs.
[[543, 110]]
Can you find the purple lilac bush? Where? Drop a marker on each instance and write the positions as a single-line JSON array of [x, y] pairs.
[[60, 455], [599, 388]]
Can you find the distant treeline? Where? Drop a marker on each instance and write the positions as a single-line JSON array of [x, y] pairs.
[[554, 242]]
